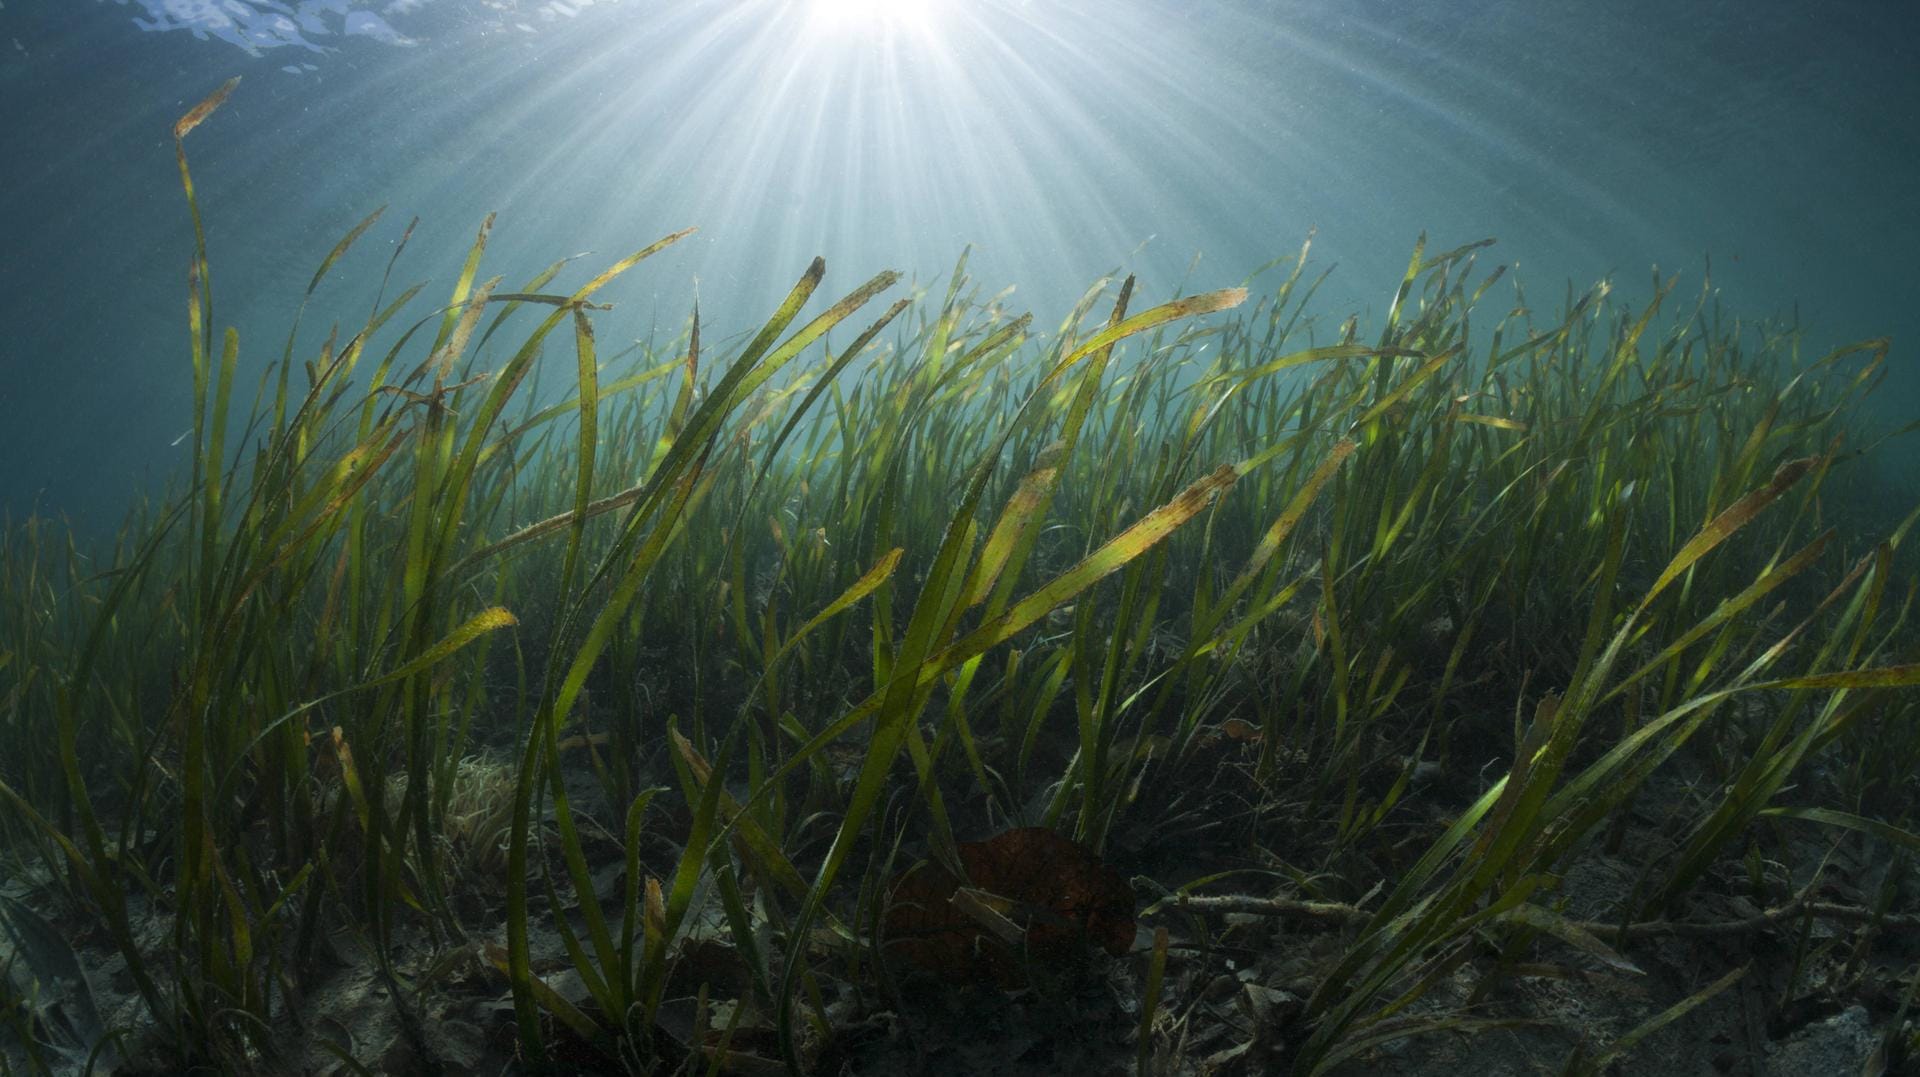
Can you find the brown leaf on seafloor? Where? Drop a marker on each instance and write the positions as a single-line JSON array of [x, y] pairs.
[[1055, 892], [1242, 730], [1235, 729]]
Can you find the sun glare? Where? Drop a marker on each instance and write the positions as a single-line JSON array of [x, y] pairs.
[[846, 17]]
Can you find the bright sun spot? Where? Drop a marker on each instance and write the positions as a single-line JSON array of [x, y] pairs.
[[844, 17]]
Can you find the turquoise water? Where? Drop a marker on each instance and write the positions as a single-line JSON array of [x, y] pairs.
[[1187, 141]]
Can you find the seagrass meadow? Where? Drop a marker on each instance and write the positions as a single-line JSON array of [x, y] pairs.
[[1169, 685]]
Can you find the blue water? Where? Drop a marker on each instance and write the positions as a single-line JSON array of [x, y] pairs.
[[1061, 139]]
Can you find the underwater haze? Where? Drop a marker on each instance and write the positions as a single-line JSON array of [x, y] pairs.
[[1189, 141], [858, 537]]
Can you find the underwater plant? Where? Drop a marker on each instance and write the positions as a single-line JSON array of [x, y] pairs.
[[677, 710]]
